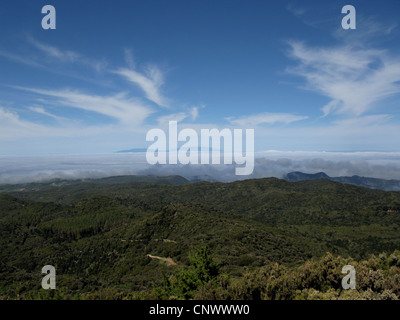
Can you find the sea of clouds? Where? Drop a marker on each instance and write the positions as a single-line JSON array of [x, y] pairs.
[[42, 168]]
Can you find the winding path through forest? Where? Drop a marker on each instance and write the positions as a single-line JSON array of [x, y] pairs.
[[169, 261]]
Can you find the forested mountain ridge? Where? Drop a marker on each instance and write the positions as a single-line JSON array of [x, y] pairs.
[[101, 235], [367, 182]]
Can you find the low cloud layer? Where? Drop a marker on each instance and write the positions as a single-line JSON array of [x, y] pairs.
[[267, 164]]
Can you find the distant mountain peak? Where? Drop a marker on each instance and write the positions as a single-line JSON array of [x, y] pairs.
[[300, 176], [132, 150], [371, 183]]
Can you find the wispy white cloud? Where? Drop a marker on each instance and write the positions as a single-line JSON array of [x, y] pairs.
[[130, 61], [194, 112], [354, 78], [67, 56], [363, 121], [265, 118], [368, 132], [42, 111], [6, 115], [62, 55], [316, 15], [297, 11], [20, 59], [150, 82], [330, 107], [126, 110], [369, 32], [13, 127], [190, 114], [163, 120]]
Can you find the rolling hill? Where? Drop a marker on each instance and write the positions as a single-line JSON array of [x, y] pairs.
[[101, 234], [372, 183]]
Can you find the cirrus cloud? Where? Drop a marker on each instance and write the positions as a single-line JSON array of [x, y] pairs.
[[354, 78], [126, 110], [265, 118]]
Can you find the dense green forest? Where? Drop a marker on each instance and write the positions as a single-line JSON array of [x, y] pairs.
[[142, 237]]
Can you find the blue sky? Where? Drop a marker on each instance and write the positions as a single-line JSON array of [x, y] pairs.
[[112, 70]]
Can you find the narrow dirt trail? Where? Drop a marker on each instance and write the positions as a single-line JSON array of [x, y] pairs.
[[169, 261]]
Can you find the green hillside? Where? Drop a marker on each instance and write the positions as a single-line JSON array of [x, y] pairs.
[[116, 237], [372, 183]]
